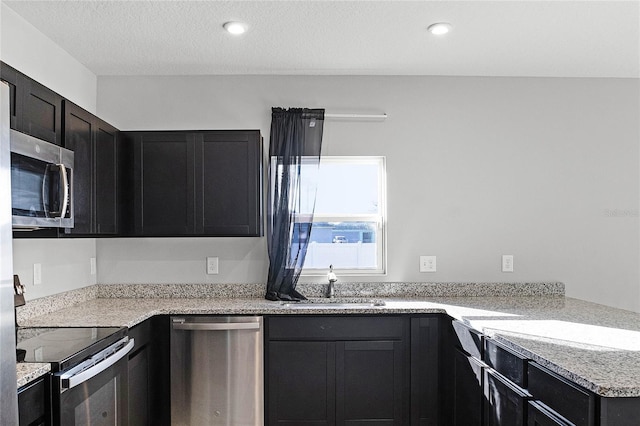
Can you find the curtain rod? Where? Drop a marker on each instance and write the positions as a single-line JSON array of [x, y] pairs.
[[357, 116]]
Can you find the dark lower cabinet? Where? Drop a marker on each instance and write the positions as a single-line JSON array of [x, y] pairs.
[[539, 414], [426, 381], [574, 403], [370, 382], [95, 145], [34, 403], [505, 404], [467, 390], [149, 389], [301, 383], [35, 109], [337, 371], [187, 183]]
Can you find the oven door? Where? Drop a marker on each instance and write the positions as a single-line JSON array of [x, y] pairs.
[[94, 392]]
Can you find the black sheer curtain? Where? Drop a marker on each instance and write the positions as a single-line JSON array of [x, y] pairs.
[[296, 141]]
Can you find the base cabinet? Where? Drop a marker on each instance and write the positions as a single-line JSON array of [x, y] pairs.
[[337, 371], [467, 390], [34, 403]]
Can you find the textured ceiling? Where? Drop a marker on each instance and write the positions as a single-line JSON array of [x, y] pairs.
[[489, 38]]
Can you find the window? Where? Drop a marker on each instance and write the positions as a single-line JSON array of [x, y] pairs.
[[348, 229]]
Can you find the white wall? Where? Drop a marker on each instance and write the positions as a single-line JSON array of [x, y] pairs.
[[545, 169], [65, 263], [34, 54]]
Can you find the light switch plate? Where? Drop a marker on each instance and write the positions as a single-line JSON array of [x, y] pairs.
[[427, 264], [92, 265], [212, 265], [37, 274], [507, 263]]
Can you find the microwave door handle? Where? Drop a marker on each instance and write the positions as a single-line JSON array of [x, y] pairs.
[[65, 189], [45, 199]]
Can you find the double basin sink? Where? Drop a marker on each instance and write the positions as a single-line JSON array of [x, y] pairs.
[[352, 303]]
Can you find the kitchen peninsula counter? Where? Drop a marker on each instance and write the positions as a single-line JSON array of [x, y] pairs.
[[595, 346]]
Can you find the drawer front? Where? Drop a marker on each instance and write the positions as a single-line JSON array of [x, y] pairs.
[[326, 327], [571, 401], [468, 339], [505, 404], [540, 415], [33, 405], [506, 362]]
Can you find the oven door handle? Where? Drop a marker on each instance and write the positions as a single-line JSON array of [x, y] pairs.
[[73, 380]]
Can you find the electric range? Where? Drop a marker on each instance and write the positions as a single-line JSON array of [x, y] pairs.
[[65, 347], [89, 366]]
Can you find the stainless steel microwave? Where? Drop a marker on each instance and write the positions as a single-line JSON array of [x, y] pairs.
[[41, 183]]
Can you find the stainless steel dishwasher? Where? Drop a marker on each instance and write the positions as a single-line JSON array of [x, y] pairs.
[[217, 371]]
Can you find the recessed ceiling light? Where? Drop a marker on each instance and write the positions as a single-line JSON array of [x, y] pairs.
[[235, 27], [439, 28]]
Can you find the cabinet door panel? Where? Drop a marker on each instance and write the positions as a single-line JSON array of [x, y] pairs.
[[106, 208], [42, 113], [228, 183], [139, 388], [164, 179], [540, 415], [467, 390], [10, 76], [504, 403], [79, 129], [369, 382], [301, 383], [424, 371]]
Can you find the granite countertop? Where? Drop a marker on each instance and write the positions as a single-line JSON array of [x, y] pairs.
[[593, 345]]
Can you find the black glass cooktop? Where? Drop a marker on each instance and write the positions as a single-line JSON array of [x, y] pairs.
[[66, 346]]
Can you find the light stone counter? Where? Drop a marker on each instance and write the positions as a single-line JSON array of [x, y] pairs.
[[593, 345], [28, 371]]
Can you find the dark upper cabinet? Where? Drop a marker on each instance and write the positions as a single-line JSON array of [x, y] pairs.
[[206, 183], [35, 109], [10, 76], [228, 183], [95, 145]]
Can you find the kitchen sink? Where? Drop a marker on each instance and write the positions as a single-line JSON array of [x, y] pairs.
[[334, 304]]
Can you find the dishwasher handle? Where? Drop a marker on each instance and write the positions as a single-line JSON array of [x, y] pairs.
[[215, 326]]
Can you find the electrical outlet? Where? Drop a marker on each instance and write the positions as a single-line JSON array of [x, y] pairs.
[[427, 264], [212, 265], [37, 274], [507, 263], [92, 265]]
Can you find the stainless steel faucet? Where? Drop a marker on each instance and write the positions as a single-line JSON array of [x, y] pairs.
[[331, 291]]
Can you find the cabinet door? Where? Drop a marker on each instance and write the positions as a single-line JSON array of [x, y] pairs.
[[541, 415], [164, 183], [505, 404], [228, 183], [34, 407], [467, 390], [301, 383], [424, 371], [139, 388], [10, 76], [370, 385], [78, 137], [42, 112], [106, 183]]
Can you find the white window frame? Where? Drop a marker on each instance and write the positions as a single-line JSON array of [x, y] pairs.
[[380, 219]]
